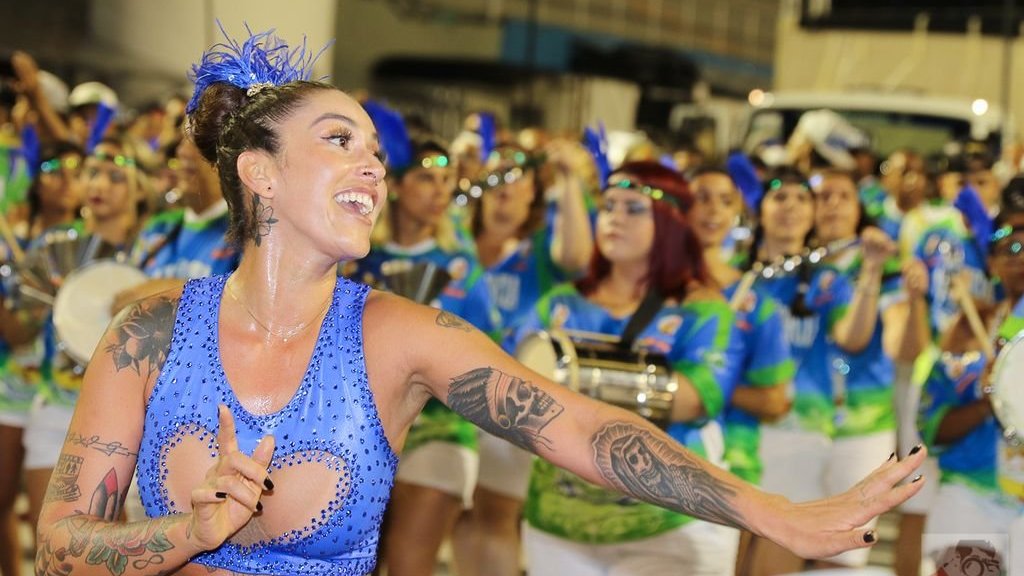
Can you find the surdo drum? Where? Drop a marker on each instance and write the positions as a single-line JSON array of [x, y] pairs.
[[637, 380]]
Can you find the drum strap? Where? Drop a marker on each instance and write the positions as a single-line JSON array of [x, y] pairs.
[[648, 308]]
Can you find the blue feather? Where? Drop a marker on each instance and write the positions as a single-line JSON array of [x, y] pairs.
[[487, 134], [743, 174], [30, 149], [262, 59], [970, 205], [392, 133], [596, 142], [104, 116]]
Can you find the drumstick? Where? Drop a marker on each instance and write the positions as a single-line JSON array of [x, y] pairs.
[[5, 230], [963, 297], [740, 295], [595, 336]]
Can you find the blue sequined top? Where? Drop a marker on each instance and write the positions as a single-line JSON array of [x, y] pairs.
[[332, 467]]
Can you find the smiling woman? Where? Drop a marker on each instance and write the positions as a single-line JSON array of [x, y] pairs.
[[265, 448]]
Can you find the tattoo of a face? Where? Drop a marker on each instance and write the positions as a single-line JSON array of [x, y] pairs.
[[504, 405], [94, 442], [649, 468], [64, 480], [142, 336], [264, 218], [111, 546], [446, 319]]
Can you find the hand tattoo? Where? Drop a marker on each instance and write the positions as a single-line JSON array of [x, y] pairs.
[[448, 320], [264, 217], [106, 499], [142, 336], [504, 405], [103, 544], [650, 468]]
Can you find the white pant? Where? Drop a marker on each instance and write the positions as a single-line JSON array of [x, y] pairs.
[[444, 466], [504, 467], [45, 433], [697, 549], [804, 466], [961, 516]]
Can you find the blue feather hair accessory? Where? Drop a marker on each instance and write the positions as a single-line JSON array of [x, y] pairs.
[[744, 175], [596, 142], [393, 135], [261, 61], [486, 129]]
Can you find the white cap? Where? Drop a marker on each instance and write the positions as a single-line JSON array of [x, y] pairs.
[[92, 93], [55, 91]]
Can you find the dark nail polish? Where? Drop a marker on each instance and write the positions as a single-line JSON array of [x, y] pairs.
[[916, 478], [259, 506], [915, 450], [268, 483], [221, 495], [869, 537], [891, 456]]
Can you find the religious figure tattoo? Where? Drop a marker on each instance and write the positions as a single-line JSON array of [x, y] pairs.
[[142, 336], [650, 468], [446, 319], [64, 480], [504, 405], [94, 442], [264, 218], [111, 546]]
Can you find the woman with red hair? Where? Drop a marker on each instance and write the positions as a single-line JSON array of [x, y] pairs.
[[648, 285]]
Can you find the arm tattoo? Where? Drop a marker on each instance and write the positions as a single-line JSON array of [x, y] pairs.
[[649, 468], [448, 320], [94, 442], [504, 405], [63, 485], [107, 545], [106, 500], [264, 217], [143, 336]]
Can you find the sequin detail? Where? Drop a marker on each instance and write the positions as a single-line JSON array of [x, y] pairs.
[[333, 468]]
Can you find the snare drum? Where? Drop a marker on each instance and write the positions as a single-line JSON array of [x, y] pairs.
[[81, 309], [1008, 404], [639, 381]]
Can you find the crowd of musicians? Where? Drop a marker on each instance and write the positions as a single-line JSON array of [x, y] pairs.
[[816, 316]]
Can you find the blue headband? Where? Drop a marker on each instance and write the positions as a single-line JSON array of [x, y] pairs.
[[262, 61]]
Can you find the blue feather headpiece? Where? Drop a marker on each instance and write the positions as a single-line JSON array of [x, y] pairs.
[[487, 131], [393, 135], [596, 142], [263, 60]]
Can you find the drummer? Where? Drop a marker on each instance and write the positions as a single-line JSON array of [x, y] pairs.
[[111, 189], [53, 198], [648, 279], [982, 486], [438, 469]]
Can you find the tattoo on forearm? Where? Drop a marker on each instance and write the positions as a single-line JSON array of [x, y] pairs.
[[446, 319], [143, 336], [94, 442], [111, 546], [264, 217], [504, 405], [649, 468], [106, 501], [64, 480]]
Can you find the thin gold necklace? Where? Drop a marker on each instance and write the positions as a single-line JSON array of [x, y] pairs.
[[288, 334]]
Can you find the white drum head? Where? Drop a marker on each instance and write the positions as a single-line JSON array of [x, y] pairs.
[[537, 352], [1007, 386], [81, 310]]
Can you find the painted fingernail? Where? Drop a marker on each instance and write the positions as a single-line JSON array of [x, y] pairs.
[[259, 506], [916, 478], [268, 483], [221, 495], [891, 456], [915, 450], [869, 537]]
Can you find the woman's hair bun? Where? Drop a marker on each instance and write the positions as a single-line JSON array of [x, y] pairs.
[[206, 122]]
